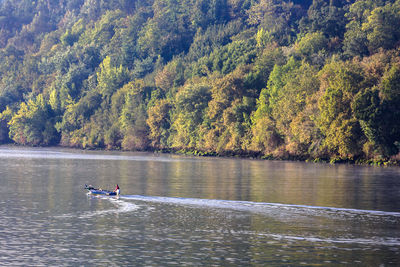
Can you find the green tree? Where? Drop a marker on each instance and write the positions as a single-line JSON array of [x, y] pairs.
[[5, 117], [326, 17], [227, 119], [167, 33], [75, 117], [110, 78], [133, 116], [383, 27], [278, 18], [159, 123], [340, 82], [191, 104], [33, 124], [311, 44], [277, 80], [299, 85], [355, 39], [378, 111]]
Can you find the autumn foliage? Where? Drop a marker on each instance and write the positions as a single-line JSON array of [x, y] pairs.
[[283, 79]]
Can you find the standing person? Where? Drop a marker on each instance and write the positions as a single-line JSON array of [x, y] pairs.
[[117, 190]]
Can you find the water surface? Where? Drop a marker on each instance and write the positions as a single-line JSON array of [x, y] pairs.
[[186, 211]]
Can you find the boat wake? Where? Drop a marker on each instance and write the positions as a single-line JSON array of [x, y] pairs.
[[361, 241], [119, 206], [372, 241], [265, 208], [301, 215], [285, 213]]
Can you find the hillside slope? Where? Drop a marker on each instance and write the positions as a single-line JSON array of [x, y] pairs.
[[283, 79]]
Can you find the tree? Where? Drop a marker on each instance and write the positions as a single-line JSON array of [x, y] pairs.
[[227, 120], [133, 116], [379, 113], [383, 27], [110, 78], [355, 39], [279, 18], [159, 122], [326, 17], [340, 82], [289, 109], [33, 124], [167, 33], [5, 117], [191, 104], [311, 44], [172, 75], [75, 117]]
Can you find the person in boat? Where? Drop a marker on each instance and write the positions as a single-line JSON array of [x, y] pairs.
[[117, 190]]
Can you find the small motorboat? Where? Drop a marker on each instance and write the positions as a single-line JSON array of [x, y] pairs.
[[98, 191]]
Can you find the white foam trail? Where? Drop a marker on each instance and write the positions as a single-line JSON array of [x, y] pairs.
[[361, 241], [259, 207], [121, 207], [376, 241]]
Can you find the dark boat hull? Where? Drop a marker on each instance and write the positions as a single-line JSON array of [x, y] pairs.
[[95, 191], [102, 192]]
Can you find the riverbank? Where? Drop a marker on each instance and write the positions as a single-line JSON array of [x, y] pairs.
[[394, 161], [254, 155]]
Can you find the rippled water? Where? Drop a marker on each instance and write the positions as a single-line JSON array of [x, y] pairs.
[[193, 211]]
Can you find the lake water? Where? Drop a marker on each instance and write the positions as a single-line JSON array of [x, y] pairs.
[[184, 211]]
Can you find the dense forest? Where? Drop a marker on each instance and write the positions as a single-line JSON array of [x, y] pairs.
[[300, 79]]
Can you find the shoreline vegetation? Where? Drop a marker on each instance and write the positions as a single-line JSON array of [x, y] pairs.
[[260, 156], [240, 155], [308, 80]]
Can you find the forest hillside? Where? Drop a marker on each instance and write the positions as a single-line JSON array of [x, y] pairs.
[[296, 79]]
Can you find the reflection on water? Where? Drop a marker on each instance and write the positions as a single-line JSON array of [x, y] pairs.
[[193, 211]]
